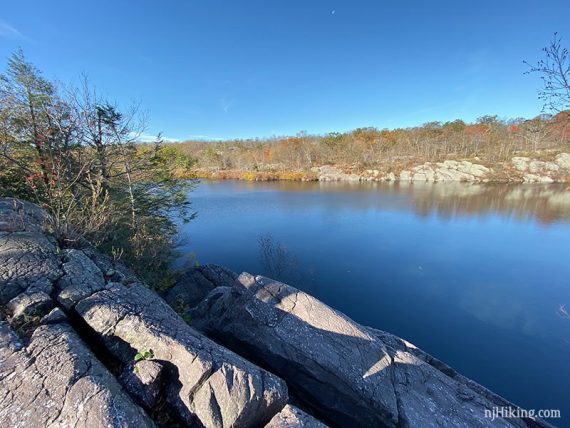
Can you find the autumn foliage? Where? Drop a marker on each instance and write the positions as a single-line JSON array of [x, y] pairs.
[[489, 140]]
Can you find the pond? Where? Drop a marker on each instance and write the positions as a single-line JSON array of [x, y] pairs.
[[476, 275]]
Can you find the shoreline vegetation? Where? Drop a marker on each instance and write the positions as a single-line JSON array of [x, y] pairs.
[[521, 169], [489, 150]]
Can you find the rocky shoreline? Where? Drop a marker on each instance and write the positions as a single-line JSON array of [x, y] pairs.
[[84, 343], [519, 169]]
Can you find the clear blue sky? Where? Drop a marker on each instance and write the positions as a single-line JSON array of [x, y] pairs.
[[223, 69]]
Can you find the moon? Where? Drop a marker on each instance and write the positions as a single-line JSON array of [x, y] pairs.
[[333, 12]]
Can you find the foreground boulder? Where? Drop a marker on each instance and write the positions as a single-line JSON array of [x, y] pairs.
[[207, 383], [55, 381], [349, 374]]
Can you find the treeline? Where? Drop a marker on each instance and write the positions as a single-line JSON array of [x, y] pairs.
[[489, 139], [74, 153]]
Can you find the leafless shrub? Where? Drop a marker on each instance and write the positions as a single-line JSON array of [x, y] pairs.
[[277, 260]]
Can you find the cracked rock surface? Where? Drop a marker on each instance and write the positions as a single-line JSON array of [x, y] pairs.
[[55, 381], [28, 262], [213, 385], [349, 374], [81, 278]]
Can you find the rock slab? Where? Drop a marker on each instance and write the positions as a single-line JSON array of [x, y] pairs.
[[347, 373]]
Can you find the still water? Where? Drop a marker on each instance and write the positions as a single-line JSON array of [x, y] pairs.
[[476, 275]]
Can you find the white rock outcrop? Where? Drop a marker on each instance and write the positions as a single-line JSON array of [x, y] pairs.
[[449, 170], [537, 171], [563, 161], [519, 168]]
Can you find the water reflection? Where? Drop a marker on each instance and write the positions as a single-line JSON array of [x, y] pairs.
[[545, 203]]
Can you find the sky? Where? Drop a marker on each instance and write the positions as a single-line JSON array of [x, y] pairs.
[[220, 69]]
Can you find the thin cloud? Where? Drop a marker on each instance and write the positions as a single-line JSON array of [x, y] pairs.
[[204, 137], [149, 138], [8, 31], [226, 104]]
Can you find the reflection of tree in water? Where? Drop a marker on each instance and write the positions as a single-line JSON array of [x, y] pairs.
[[545, 203], [278, 262], [281, 264]]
